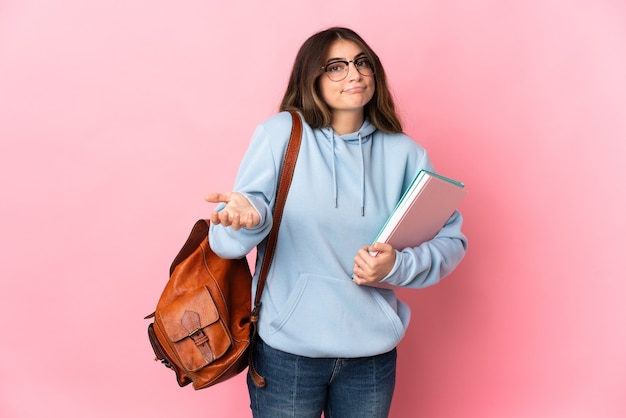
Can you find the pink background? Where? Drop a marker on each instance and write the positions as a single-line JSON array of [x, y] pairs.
[[117, 116]]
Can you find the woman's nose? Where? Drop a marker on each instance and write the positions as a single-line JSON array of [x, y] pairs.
[[353, 73]]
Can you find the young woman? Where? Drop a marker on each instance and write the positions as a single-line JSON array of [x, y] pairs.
[[328, 329]]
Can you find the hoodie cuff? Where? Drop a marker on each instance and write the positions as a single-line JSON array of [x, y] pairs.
[[389, 278], [260, 207]]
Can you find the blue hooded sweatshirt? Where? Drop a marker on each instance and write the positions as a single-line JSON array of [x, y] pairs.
[[344, 188]]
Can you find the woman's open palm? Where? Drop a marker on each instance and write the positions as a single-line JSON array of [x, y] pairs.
[[238, 212]]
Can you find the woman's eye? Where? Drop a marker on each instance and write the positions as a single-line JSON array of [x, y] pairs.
[[336, 67], [364, 63]]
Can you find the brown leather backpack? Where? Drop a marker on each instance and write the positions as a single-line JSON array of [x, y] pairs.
[[204, 323]]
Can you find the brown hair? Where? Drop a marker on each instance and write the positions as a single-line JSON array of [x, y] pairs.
[[303, 93]]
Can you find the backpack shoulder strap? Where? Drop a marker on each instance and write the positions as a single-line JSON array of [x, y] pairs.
[[289, 164]]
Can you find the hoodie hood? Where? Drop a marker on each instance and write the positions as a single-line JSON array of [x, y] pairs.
[[364, 132]]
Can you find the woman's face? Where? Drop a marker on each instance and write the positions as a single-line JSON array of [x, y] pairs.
[[353, 92]]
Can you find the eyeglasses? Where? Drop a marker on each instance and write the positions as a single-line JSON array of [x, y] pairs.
[[338, 70]]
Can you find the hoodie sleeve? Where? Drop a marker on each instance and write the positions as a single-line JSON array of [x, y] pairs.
[[431, 261], [257, 180], [428, 263]]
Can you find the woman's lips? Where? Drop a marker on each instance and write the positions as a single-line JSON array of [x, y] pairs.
[[356, 89]]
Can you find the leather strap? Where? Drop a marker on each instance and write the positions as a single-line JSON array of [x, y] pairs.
[[289, 164], [191, 322]]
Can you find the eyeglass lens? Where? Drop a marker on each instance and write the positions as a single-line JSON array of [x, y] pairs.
[[338, 70]]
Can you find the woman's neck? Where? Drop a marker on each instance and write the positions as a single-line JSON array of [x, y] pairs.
[[347, 122]]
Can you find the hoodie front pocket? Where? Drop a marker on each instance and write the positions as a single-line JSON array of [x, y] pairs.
[[326, 307]]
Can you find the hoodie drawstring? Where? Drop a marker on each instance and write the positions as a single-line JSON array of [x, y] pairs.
[[334, 169], [362, 177], [332, 145]]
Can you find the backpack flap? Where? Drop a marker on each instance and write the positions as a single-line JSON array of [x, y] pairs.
[[197, 333]]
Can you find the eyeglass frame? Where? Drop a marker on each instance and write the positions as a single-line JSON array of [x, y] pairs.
[[347, 62]]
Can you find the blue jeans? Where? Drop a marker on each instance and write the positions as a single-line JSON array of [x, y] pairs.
[[303, 387]]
